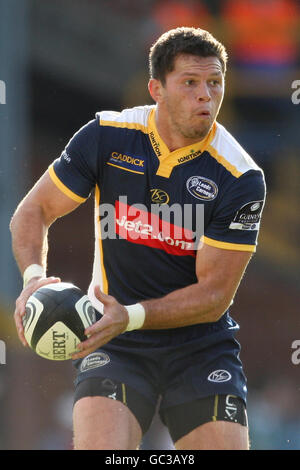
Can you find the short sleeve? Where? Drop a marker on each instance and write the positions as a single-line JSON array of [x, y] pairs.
[[75, 171], [236, 220]]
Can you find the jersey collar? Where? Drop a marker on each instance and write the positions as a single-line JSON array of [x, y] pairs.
[[168, 160]]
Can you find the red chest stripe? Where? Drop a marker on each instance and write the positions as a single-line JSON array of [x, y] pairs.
[[146, 228]]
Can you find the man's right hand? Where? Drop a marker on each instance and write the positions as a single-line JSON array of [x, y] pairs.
[[34, 284]]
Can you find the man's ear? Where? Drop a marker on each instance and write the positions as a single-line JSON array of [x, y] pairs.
[[155, 88]]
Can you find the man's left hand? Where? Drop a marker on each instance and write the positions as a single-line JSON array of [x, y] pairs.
[[113, 322]]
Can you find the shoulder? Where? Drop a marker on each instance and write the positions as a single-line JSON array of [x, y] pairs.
[[131, 118], [229, 153], [85, 137]]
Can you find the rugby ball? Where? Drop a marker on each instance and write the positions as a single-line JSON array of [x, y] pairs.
[[55, 319]]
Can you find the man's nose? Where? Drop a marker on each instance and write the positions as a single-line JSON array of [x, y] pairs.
[[203, 93]]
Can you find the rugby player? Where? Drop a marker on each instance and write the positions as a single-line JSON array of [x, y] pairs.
[[164, 329]]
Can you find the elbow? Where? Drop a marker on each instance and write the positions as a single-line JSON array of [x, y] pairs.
[[13, 222], [219, 302], [25, 216]]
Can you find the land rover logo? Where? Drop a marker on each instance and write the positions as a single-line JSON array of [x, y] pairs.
[[202, 188]]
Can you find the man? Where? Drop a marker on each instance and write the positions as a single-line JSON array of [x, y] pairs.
[[165, 330]]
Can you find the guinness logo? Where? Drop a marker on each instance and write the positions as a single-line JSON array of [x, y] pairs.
[[158, 196], [248, 216]]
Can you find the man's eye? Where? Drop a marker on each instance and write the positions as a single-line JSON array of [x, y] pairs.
[[189, 82], [214, 82]]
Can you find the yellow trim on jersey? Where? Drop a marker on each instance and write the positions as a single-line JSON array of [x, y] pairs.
[[125, 125], [97, 215], [126, 169], [228, 245], [168, 160], [222, 160], [64, 188], [214, 417], [124, 394]]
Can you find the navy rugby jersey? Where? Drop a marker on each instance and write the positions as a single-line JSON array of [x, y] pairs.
[[143, 249]]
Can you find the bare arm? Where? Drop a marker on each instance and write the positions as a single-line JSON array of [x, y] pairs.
[[29, 228], [34, 215], [219, 273]]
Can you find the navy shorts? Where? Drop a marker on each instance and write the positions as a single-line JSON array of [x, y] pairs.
[[174, 366]]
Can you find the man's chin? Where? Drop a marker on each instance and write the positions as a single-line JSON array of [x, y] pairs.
[[198, 134]]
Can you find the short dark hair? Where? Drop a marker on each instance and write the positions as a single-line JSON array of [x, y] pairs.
[[183, 40]]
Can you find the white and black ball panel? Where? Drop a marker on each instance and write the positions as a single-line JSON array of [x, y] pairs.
[[58, 308], [55, 320], [33, 310]]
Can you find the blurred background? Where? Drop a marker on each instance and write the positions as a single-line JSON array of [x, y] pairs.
[[63, 60]]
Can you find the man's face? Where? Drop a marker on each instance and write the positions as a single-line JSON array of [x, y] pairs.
[[192, 95]]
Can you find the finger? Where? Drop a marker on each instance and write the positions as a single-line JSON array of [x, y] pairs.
[[100, 325], [20, 331], [28, 291], [101, 334], [33, 287], [83, 353], [104, 298], [48, 280], [90, 345], [20, 328], [21, 304], [22, 338], [18, 314]]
